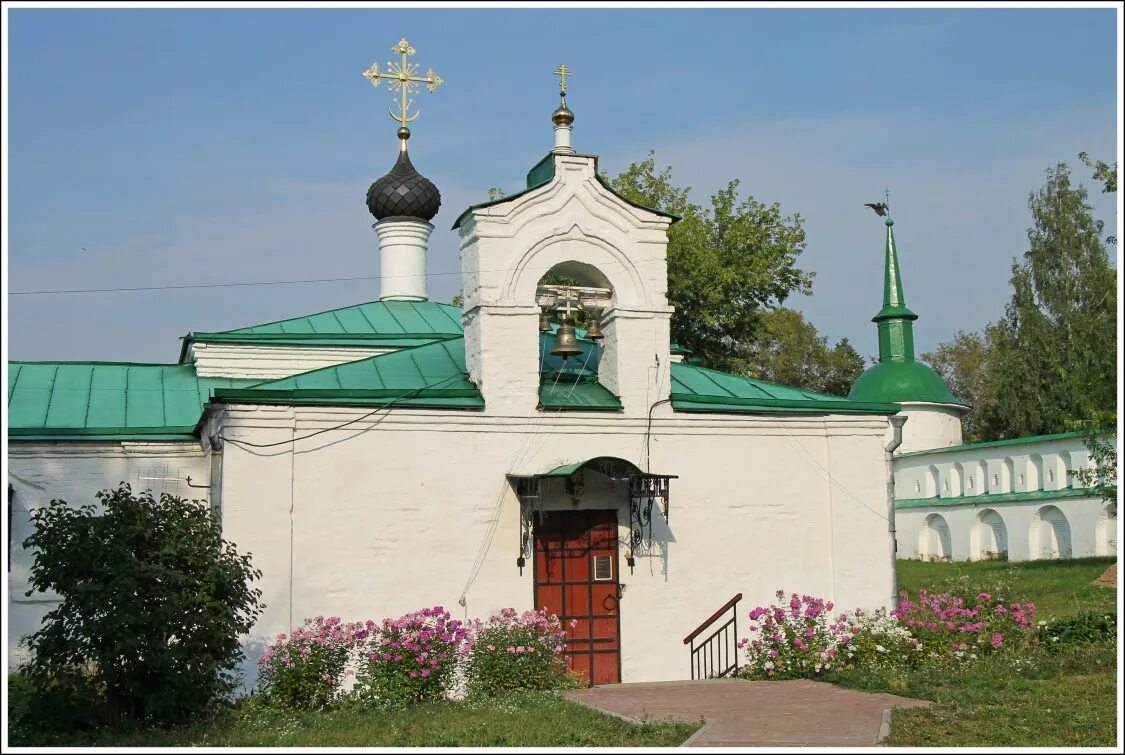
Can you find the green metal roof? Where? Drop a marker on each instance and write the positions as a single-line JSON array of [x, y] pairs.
[[106, 400], [987, 498], [400, 324], [902, 381], [699, 389], [995, 443], [586, 394], [430, 375], [542, 173]]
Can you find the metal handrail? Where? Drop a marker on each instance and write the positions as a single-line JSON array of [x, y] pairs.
[[713, 656], [710, 619]]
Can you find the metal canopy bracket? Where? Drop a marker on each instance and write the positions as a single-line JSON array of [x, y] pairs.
[[645, 490]]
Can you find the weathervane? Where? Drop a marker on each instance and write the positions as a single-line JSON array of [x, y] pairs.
[[884, 207], [402, 77]]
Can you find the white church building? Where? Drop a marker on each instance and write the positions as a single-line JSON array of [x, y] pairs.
[[402, 453]]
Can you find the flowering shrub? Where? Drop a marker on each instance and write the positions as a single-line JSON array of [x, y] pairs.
[[516, 652], [412, 658], [949, 626], [801, 638], [304, 669]]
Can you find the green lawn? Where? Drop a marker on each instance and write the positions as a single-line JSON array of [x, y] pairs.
[[1032, 698], [532, 720]]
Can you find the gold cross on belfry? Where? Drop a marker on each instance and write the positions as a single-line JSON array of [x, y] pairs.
[[562, 72], [402, 77]]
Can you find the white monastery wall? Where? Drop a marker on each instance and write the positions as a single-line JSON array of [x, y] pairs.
[[264, 362], [1041, 523], [74, 472], [393, 514]]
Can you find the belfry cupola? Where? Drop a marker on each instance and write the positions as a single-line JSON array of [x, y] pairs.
[[935, 413], [403, 201]]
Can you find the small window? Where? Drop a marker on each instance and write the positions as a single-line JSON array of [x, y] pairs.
[[603, 568], [995, 479], [970, 483], [1021, 479], [1051, 475], [917, 487], [945, 484]]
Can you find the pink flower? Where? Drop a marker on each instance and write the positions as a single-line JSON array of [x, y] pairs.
[[997, 640], [413, 674]]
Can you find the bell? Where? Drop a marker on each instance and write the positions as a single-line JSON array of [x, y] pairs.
[[566, 343], [594, 330], [544, 321]]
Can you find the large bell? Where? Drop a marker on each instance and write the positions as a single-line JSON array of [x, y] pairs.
[[544, 321], [594, 330], [566, 342]]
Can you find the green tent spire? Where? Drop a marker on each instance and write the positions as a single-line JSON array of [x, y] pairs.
[[897, 376], [895, 321]]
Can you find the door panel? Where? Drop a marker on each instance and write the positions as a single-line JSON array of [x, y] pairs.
[[576, 578]]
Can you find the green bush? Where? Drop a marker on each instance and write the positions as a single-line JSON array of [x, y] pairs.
[[153, 601], [1078, 629]]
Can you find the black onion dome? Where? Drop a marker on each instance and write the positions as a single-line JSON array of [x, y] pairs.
[[403, 194]]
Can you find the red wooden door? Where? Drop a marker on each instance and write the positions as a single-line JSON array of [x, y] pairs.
[[576, 578]]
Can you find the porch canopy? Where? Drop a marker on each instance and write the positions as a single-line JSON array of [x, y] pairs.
[[645, 489]]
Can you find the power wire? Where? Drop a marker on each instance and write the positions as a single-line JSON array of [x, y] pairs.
[[176, 287], [409, 394]]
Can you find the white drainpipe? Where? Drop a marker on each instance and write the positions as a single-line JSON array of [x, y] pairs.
[[897, 421]]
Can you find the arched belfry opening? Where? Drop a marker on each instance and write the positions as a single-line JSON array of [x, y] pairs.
[[573, 298]]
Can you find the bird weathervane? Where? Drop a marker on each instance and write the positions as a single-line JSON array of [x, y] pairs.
[[402, 77], [562, 72], [882, 208]]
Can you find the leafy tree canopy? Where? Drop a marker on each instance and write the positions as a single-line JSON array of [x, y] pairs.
[[153, 601], [786, 349], [727, 263]]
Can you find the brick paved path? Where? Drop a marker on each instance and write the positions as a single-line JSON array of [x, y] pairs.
[[745, 713]]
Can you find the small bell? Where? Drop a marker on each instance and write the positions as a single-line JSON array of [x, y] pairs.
[[594, 330], [566, 342], [544, 321]]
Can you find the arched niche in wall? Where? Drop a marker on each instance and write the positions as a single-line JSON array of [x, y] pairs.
[[1035, 472], [1049, 536], [1008, 476], [933, 482], [957, 479], [989, 536], [934, 539], [1105, 532]]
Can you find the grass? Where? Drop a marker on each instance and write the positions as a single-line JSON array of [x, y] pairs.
[[1029, 698], [530, 720]]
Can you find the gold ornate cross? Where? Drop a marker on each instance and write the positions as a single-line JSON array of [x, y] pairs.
[[402, 77], [562, 72]]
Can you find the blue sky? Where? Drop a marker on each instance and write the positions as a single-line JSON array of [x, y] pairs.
[[157, 147]]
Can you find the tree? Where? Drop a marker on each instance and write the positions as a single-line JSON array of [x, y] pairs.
[[786, 349], [1055, 350], [1102, 476], [964, 365], [1103, 172], [727, 264], [153, 601]]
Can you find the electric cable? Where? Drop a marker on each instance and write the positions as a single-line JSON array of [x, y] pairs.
[[409, 394]]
